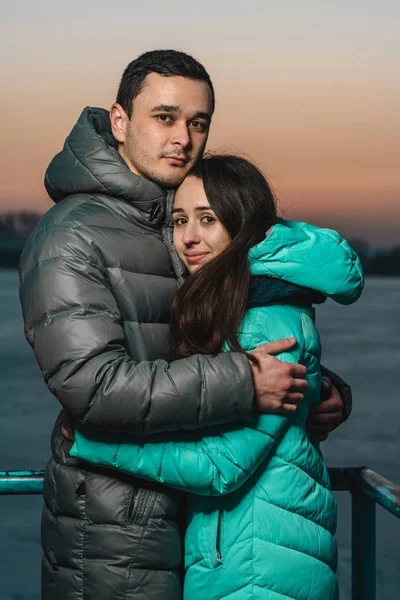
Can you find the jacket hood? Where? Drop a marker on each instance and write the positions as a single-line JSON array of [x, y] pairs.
[[311, 257], [89, 163]]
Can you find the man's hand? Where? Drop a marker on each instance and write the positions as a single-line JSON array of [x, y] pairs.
[[279, 386], [327, 415]]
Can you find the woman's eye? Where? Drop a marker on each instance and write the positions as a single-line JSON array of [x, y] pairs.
[[208, 219], [178, 222]]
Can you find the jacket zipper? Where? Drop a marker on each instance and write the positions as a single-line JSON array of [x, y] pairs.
[[219, 536], [141, 505], [132, 504]]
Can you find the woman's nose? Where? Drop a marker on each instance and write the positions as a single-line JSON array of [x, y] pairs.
[[190, 235]]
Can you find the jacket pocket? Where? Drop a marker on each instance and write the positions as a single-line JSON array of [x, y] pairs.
[[141, 505], [132, 503], [216, 538], [219, 546]]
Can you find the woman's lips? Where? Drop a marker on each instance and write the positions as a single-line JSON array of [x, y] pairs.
[[195, 258]]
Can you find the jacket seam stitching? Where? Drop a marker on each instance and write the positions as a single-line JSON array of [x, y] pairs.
[[58, 256], [293, 512], [292, 463], [294, 550], [252, 543], [75, 228], [68, 310], [68, 145], [202, 392], [159, 474]]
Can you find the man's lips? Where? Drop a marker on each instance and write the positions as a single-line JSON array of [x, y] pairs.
[[177, 160]]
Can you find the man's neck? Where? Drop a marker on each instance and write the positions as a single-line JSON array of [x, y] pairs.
[[128, 163]]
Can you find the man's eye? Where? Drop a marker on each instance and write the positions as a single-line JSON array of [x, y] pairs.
[[164, 118], [199, 125]]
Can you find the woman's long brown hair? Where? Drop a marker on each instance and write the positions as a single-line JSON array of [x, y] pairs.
[[208, 309]]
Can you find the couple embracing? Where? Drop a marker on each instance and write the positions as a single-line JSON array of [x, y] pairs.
[[156, 294]]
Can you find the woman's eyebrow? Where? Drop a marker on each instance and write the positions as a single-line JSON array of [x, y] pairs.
[[175, 210]]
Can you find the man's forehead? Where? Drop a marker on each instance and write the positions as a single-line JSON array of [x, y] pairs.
[[176, 91]]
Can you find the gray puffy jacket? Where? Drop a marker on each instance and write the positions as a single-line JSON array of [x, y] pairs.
[[96, 287]]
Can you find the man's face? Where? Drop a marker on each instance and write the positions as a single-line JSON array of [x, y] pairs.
[[168, 130]]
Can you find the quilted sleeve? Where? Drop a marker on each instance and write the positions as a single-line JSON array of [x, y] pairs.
[[74, 326], [210, 462], [220, 459]]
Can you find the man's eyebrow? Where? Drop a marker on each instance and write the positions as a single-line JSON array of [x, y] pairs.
[[166, 108], [202, 115], [173, 108]]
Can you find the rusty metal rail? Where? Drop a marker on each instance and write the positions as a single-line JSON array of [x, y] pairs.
[[366, 487], [21, 482]]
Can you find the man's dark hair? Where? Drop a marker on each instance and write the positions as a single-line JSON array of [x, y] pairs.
[[207, 310], [163, 62]]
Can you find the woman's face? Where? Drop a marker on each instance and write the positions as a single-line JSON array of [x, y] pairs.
[[198, 234]]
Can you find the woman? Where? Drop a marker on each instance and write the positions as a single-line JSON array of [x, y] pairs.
[[261, 518]]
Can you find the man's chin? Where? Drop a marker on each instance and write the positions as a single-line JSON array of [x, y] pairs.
[[170, 179]]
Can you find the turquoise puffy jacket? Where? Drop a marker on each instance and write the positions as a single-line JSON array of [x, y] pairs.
[[261, 518]]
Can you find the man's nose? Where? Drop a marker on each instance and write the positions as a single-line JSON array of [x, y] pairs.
[[181, 135]]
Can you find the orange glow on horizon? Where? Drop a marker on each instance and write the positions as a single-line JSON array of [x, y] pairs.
[[321, 119]]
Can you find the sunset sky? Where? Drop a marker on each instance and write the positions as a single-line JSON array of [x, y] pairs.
[[309, 89]]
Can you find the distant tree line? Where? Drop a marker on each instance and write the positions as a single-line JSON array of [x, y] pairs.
[[378, 261], [16, 227]]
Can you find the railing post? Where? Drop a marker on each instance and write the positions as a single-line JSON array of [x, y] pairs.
[[363, 540]]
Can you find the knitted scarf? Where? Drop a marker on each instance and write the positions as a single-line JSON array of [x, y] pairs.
[[266, 290]]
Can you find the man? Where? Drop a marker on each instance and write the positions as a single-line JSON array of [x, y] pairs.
[[97, 279]]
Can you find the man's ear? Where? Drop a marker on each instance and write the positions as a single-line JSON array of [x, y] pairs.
[[119, 120]]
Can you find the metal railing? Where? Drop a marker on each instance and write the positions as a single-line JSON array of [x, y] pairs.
[[21, 482], [366, 487]]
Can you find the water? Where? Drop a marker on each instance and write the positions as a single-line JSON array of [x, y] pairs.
[[360, 342]]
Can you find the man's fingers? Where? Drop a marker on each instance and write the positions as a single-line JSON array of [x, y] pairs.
[[291, 402], [297, 370], [288, 407], [298, 385], [276, 347], [294, 398], [279, 385]]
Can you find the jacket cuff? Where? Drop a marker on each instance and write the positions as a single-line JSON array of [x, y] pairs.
[[245, 407]]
